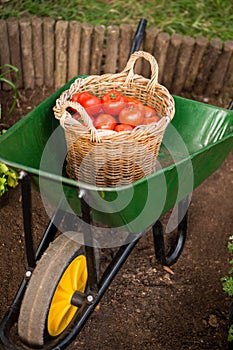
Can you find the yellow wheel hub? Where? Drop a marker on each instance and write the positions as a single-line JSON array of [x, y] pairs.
[[61, 310]]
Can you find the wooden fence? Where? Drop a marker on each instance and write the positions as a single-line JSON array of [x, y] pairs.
[[49, 53]]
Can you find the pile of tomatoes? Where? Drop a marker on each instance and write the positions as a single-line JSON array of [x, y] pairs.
[[115, 111]]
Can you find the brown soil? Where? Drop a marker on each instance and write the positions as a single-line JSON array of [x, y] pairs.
[[145, 307]]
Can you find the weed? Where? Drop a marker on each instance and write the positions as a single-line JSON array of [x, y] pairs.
[[4, 71], [227, 282]]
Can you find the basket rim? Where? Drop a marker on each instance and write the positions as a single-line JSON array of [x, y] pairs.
[[148, 91]]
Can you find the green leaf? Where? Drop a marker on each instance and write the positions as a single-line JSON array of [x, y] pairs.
[[15, 70], [7, 81], [230, 334], [228, 285], [12, 179], [11, 69], [230, 247], [3, 169], [3, 187], [8, 178]]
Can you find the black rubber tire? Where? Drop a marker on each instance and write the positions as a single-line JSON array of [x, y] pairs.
[[34, 310]]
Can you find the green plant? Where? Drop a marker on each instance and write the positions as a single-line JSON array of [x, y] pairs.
[[8, 178], [4, 71], [227, 281]]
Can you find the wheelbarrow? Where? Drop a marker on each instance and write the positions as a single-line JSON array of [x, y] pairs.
[[63, 284]]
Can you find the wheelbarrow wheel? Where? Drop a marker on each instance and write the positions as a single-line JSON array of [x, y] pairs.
[[46, 310]]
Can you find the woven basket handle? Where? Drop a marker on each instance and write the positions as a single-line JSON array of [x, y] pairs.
[[132, 61], [85, 120]]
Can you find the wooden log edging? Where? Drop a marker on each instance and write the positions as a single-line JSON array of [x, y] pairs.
[[37, 50], [14, 47], [4, 50], [49, 53], [26, 39]]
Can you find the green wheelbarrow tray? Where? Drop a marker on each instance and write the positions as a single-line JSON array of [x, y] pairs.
[[195, 144]]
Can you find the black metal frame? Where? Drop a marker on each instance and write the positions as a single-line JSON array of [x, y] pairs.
[[170, 258], [96, 288]]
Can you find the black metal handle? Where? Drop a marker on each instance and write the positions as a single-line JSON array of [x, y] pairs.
[[137, 40], [231, 106]]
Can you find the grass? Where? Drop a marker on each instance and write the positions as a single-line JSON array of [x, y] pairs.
[[209, 18]]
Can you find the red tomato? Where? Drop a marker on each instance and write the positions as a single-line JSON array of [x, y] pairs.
[[104, 121], [132, 101], [149, 112], [132, 115], [76, 116], [113, 102], [151, 115], [89, 101], [75, 97], [123, 127], [150, 120]]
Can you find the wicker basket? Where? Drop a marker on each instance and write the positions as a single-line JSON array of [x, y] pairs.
[[109, 158]]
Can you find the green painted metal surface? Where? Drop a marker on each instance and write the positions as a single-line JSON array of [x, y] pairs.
[[195, 144]]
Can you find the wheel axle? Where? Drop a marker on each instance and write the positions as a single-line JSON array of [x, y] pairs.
[[79, 298]]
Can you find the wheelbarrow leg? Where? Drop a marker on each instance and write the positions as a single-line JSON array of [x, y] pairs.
[[50, 231], [172, 256], [89, 247], [27, 219]]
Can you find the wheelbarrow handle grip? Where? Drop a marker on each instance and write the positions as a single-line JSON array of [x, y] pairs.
[[231, 105], [138, 36]]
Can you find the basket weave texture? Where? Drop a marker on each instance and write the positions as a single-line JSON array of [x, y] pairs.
[[109, 158]]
